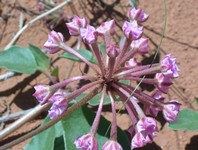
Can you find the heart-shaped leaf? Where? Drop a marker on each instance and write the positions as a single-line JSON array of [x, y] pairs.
[[187, 120]]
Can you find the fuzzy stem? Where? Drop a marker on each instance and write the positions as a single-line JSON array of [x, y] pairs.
[[130, 109], [73, 52], [128, 55], [113, 134], [137, 68], [66, 82], [146, 80], [52, 122], [98, 55], [136, 106], [124, 47], [81, 90], [151, 70], [111, 67], [96, 121]]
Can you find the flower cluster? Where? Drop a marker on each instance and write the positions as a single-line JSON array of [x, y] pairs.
[[119, 63]]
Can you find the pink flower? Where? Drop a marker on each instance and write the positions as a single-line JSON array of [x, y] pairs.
[[132, 63], [113, 51], [111, 145], [141, 45], [153, 109], [86, 142], [163, 82], [170, 110], [138, 15], [105, 27], [138, 141], [89, 34], [59, 104], [42, 93], [169, 66], [76, 24], [132, 31], [146, 126], [53, 42]]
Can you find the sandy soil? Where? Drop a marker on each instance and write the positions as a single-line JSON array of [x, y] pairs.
[[181, 40]]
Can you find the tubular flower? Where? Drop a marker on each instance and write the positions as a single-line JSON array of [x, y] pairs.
[[86, 142], [132, 31], [138, 15], [76, 24], [114, 69], [111, 145], [170, 110], [53, 42], [42, 93]]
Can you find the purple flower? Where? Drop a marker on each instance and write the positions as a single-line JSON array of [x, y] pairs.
[[169, 66], [89, 34], [132, 63], [138, 141], [163, 82], [53, 42], [76, 24], [59, 104], [86, 142], [113, 51], [138, 15], [153, 109], [170, 110], [42, 93], [111, 145], [132, 31], [146, 126], [140, 45], [105, 27]]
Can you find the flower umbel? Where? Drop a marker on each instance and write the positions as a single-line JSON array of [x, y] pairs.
[[116, 64]]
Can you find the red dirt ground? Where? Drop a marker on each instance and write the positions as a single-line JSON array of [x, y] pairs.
[[181, 40]]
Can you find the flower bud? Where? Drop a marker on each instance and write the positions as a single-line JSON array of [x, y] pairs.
[[113, 51], [146, 126], [132, 31], [140, 45], [153, 109], [138, 141], [86, 142], [138, 15], [105, 27], [169, 66], [163, 82], [111, 145], [53, 42], [42, 93], [89, 34], [76, 24], [132, 63], [170, 110]]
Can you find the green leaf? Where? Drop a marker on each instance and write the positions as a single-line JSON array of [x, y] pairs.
[[134, 3], [102, 48], [196, 99], [42, 61], [47, 139], [187, 120], [18, 59], [95, 101], [55, 72], [24, 60], [79, 123], [83, 52]]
